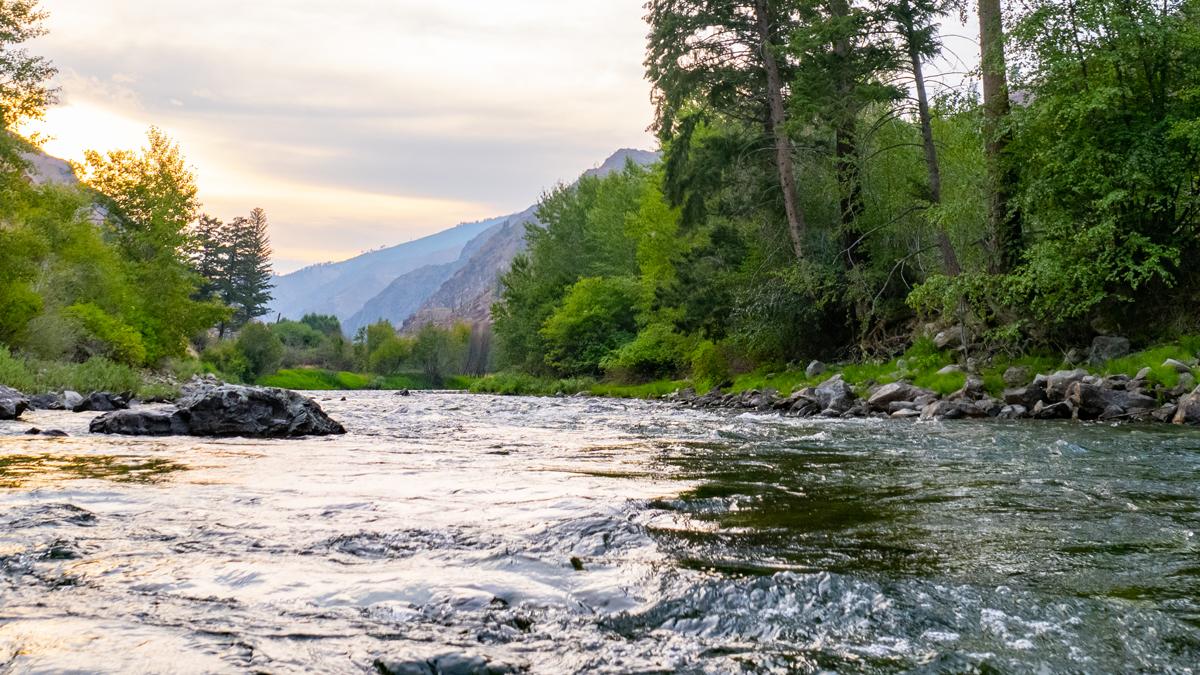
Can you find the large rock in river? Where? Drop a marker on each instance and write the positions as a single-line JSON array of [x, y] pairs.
[[12, 403], [227, 410]]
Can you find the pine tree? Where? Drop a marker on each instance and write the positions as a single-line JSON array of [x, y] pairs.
[[247, 278]]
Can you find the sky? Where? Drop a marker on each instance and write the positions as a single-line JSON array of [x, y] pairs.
[[355, 123]]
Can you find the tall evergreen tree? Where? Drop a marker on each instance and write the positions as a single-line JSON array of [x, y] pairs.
[[248, 277]]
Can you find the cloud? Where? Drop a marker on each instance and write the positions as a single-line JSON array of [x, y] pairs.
[[364, 122]]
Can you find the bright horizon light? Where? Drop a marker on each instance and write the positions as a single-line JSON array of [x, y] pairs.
[[355, 124]]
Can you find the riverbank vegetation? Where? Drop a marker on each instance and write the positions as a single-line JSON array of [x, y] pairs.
[[817, 201]]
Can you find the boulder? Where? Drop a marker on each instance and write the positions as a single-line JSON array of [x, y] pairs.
[[990, 406], [972, 390], [815, 368], [1179, 366], [894, 392], [1093, 402], [142, 423], [227, 410], [1012, 412], [834, 396], [70, 399], [103, 401], [1058, 383], [1053, 411], [46, 402], [1165, 413], [905, 413], [949, 338], [1188, 411], [1105, 348], [12, 403], [1026, 397], [1016, 376], [950, 369], [1143, 374], [48, 433], [951, 410]]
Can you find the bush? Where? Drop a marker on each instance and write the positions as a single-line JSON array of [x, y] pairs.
[[106, 335], [595, 319], [227, 361], [262, 350], [657, 351], [710, 367]]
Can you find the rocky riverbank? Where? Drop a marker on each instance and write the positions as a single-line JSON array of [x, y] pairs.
[[1065, 394]]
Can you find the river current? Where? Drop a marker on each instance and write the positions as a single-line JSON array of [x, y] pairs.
[[457, 534]]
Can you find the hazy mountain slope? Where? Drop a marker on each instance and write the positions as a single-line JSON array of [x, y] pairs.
[[469, 293], [343, 288], [408, 292]]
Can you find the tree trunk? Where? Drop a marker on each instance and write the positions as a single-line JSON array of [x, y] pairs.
[[778, 118], [949, 257], [1003, 218], [846, 145]]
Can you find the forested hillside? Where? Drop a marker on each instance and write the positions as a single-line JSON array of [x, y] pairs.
[[820, 198]]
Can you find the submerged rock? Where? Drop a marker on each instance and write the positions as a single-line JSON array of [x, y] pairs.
[[227, 410], [448, 663], [12, 403]]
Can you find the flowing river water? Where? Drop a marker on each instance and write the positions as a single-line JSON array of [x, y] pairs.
[[457, 534]]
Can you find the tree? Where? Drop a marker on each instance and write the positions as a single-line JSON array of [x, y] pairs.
[[247, 287], [915, 22], [1002, 214], [726, 56], [440, 352], [150, 200], [25, 91]]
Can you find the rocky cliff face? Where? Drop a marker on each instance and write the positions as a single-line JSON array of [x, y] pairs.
[[344, 288], [468, 295]]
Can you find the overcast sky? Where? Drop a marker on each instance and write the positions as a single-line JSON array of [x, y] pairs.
[[355, 123]]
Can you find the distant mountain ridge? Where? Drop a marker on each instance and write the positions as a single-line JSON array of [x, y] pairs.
[[444, 278], [343, 288]]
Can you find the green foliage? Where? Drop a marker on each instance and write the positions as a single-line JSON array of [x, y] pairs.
[[105, 335], [228, 361], [262, 350], [657, 351], [440, 352], [596, 318], [391, 356], [95, 374], [710, 366]]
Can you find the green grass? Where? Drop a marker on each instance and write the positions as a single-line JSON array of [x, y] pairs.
[[314, 379], [1152, 359], [656, 389], [96, 374]]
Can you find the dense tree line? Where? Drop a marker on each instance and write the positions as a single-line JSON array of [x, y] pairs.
[[817, 198], [119, 267]]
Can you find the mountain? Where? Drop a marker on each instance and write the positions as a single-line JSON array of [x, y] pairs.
[[444, 278], [343, 288], [468, 295], [409, 291]]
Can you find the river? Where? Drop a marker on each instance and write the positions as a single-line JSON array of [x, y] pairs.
[[484, 534]]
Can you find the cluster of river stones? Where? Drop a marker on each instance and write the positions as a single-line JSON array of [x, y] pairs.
[[206, 407], [1065, 394]]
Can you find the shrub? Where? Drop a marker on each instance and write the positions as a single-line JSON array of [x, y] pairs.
[[228, 361], [595, 319], [106, 335], [657, 351], [261, 348], [710, 367]]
